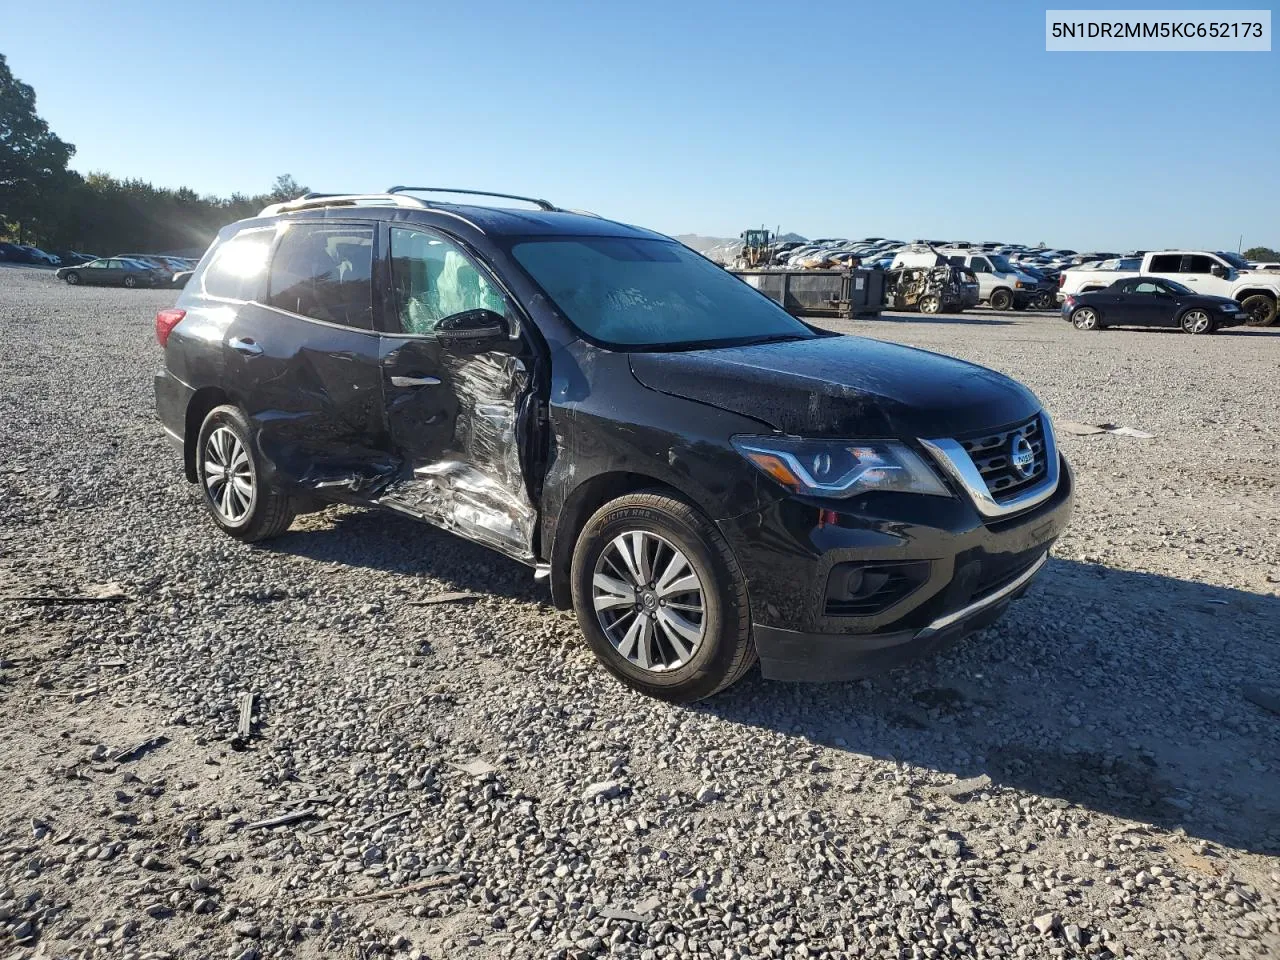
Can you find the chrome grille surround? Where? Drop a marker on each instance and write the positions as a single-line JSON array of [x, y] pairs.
[[979, 464]]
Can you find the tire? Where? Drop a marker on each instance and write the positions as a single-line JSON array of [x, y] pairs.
[[930, 303], [1260, 310], [130, 282], [1085, 318], [72, 278], [1196, 321], [625, 626], [246, 508], [1001, 299]]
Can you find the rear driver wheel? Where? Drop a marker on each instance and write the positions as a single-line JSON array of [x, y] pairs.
[[130, 282], [1085, 318], [231, 483], [1197, 321], [661, 599], [930, 303]]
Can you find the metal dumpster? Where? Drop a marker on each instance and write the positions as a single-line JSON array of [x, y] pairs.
[[821, 293]]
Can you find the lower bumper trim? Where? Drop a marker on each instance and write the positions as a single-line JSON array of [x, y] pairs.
[[792, 655]]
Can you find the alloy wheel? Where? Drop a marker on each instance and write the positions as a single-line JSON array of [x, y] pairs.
[[228, 475], [650, 601], [1195, 321], [1085, 319]]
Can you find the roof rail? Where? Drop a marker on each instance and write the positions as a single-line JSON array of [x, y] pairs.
[[541, 204], [312, 200]]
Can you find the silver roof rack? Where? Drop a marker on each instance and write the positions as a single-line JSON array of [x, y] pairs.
[[541, 204], [313, 200]]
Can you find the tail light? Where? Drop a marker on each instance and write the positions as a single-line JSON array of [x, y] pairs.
[[166, 320], [1062, 278], [1070, 301]]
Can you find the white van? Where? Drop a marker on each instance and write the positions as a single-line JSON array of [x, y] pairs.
[[1000, 283]]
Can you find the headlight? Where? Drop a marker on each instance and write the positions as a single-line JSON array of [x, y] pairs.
[[1229, 308], [840, 468]]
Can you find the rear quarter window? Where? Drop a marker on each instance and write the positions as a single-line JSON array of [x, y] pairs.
[[236, 269]]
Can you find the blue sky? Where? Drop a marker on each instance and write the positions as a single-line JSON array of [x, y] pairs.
[[938, 119]]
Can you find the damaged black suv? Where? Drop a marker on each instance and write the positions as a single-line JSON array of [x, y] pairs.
[[703, 477]]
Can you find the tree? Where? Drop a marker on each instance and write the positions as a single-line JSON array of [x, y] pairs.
[[33, 160], [286, 188], [1263, 254]]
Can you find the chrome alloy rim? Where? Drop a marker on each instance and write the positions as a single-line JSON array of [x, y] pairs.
[[1197, 321], [228, 475], [1085, 319], [650, 601]]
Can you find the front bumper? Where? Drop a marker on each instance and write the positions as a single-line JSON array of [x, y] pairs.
[[792, 655], [975, 569]]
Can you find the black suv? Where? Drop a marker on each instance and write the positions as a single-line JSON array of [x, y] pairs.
[[702, 476]]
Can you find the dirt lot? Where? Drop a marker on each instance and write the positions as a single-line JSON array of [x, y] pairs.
[[1129, 800]]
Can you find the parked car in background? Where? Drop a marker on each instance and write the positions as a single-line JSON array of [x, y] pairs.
[[674, 451], [1215, 273], [113, 272], [40, 257], [1151, 302], [12, 253], [159, 264]]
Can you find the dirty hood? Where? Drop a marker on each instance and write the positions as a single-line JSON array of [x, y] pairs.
[[850, 387]]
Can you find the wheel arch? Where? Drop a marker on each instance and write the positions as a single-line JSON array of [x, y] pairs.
[[198, 407], [1254, 292], [583, 501]]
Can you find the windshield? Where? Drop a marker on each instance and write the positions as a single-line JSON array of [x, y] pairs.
[[1001, 264], [1237, 261], [651, 293]]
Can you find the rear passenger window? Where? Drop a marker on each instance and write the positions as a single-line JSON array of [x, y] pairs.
[[235, 272], [323, 271], [1166, 263]]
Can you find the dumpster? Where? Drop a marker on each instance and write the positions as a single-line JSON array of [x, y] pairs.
[[821, 293]]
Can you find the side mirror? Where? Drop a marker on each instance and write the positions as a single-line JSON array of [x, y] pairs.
[[1218, 270], [472, 325]]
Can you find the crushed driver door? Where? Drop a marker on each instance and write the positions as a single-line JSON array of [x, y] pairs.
[[457, 407]]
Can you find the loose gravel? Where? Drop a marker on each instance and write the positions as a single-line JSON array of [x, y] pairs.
[[1094, 776]]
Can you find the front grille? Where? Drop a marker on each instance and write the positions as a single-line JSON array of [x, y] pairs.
[[992, 454]]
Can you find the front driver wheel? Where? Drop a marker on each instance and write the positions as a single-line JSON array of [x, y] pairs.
[[1001, 300], [1197, 321], [661, 599], [1086, 318], [230, 478], [72, 278], [930, 303], [130, 282]]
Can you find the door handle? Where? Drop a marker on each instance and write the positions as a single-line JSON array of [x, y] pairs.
[[415, 381], [245, 345]]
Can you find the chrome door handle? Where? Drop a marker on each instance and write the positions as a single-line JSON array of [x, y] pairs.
[[415, 381], [245, 345]]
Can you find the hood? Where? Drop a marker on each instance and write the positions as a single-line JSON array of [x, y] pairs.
[[841, 386]]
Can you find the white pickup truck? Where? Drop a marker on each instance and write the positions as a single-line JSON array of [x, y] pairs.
[[1217, 273]]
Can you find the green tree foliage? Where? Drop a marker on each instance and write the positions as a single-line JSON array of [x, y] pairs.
[[103, 215], [1262, 255], [33, 161]]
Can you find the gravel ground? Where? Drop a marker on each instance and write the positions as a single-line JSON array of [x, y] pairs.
[[1089, 777]]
